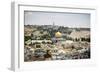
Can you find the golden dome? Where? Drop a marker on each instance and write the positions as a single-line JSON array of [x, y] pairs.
[[58, 34]]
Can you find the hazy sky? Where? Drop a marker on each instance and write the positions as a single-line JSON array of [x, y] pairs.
[[62, 19]]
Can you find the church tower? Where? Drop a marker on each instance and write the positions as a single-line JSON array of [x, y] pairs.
[[53, 23]]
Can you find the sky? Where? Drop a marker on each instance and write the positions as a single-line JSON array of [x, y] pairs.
[[60, 19]]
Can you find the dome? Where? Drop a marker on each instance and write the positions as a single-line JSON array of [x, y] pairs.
[[58, 34]]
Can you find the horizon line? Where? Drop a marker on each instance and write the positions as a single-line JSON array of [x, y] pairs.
[[58, 25]]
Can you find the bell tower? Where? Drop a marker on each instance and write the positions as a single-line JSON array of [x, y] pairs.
[[53, 23]]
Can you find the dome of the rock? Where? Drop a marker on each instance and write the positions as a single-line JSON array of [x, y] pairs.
[[58, 34]]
